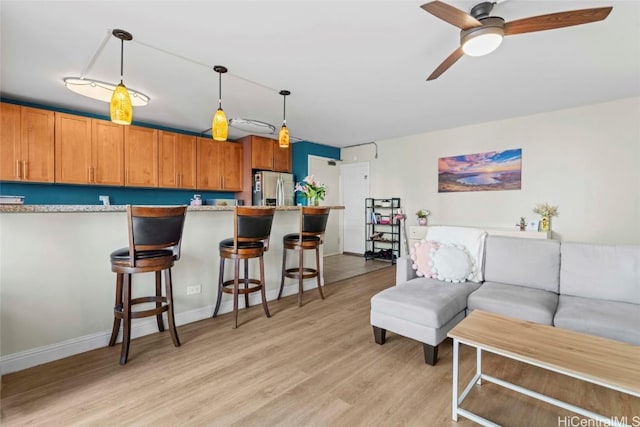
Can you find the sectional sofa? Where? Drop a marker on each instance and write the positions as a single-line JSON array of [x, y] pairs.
[[589, 288]]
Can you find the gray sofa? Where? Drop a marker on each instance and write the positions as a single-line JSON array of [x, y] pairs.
[[584, 287]]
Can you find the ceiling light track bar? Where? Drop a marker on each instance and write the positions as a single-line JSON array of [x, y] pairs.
[[365, 143], [93, 59]]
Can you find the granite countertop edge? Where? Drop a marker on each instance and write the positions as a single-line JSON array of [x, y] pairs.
[[118, 208]]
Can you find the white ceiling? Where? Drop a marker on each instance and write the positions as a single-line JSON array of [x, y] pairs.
[[356, 69]]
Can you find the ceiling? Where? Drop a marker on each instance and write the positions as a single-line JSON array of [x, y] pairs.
[[356, 69]]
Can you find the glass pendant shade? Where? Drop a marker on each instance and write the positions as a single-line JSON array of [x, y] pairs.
[[283, 137], [121, 109], [219, 126]]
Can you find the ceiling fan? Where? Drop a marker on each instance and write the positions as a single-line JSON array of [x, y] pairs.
[[482, 34]]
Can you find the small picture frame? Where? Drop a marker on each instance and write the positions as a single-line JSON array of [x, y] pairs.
[[533, 225]]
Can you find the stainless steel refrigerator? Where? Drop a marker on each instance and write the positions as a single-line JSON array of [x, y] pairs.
[[272, 189]]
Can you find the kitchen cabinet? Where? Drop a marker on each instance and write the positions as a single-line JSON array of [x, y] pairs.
[[266, 154], [140, 156], [219, 165], [88, 151], [177, 157], [26, 144]]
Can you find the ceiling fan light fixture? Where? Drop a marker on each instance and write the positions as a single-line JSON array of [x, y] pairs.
[[283, 136], [480, 41], [219, 124], [102, 91]]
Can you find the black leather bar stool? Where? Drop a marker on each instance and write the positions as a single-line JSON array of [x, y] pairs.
[[251, 231], [155, 236], [313, 222]]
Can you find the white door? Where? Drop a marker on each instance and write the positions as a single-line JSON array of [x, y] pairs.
[[328, 173], [355, 189]]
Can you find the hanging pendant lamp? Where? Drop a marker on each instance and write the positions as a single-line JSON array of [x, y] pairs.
[[121, 109], [283, 136], [219, 124]]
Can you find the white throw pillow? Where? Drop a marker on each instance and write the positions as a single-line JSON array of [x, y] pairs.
[[471, 238], [451, 263]]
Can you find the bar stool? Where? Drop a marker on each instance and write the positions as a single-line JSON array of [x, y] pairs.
[[155, 236], [313, 222], [251, 231]]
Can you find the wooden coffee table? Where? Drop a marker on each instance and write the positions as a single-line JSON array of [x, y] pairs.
[[608, 363]]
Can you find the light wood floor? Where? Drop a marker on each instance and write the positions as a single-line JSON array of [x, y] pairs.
[[343, 266], [311, 366]]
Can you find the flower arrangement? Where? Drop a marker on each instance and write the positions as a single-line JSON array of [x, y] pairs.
[[423, 213], [313, 190], [546, 210]]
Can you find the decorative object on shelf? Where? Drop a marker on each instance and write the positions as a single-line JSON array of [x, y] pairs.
[[422, 215], [533, 225], [490, 171], [283, 136], [120, 108], [313, 190], [219, 124], [546, 211], [522, 224]]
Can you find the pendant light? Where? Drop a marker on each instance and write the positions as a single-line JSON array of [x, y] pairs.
[[283, 137], [219, 124], [121, 109]]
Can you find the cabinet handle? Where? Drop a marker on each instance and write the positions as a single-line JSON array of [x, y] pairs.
[[177, 179], [24, 170], [222, 182], [18, 169], [89, 175], [93, 174]]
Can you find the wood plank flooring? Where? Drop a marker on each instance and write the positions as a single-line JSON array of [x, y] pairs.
[[316, 365]]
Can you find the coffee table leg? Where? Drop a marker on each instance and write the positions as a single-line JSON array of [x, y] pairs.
[[454, 401], [479, 365]]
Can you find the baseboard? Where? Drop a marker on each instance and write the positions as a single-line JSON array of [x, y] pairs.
[[49, 353]]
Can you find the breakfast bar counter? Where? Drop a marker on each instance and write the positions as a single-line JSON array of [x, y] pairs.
[[56, 284]]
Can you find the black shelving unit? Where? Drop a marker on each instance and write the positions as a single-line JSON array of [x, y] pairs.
[[382, 238]]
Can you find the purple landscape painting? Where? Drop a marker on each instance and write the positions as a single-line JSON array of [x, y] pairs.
[[491, 171]]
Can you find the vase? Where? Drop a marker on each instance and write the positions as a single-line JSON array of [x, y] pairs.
[[545, 223], [313, 201], [422, 221]]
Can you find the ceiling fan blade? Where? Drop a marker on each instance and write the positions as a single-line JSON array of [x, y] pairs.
[[451, 15], [446, 64], [556, 20]]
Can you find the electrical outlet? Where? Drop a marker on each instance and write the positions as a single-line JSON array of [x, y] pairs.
[[192, 290]]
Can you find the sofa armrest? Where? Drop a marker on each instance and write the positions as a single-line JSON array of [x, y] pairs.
[[404, 270]]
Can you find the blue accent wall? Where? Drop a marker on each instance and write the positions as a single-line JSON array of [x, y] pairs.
[[300, 152]]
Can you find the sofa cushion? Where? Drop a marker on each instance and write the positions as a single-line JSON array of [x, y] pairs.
[[608, 319], [532, 263], [425, 301], [471, 238], [535, 305], [606, 272]]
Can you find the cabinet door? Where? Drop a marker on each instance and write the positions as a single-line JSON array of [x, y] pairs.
[[10, 166], [73, 149], [281, 158], [37, 145], [209, 164], [177, 155], [107, 153], [141, 156], [261, 153], [232, 166]]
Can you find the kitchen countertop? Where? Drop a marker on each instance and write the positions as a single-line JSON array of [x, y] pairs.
[[118, 208]]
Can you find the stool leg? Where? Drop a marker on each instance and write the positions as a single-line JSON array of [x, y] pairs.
[[126, 316], [246, 282], [284, 266], [236, 285], [220, 282], [318, 272], [117, 307], [262, 288], [300, 278], [158, 303], [170, 314]]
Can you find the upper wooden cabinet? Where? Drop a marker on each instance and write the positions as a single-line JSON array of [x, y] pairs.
[[26, 144], [88, 151], [140, 156], [219, 165], [266, 154], [177, 154]]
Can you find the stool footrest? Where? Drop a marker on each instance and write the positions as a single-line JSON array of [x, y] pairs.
[[242, 290], [307, 273], [117, 310]]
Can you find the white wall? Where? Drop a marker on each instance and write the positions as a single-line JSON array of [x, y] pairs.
[[586, 160]]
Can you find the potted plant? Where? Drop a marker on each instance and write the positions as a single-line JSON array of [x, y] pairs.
[[313, 190], [422, 215], [546, 211]]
